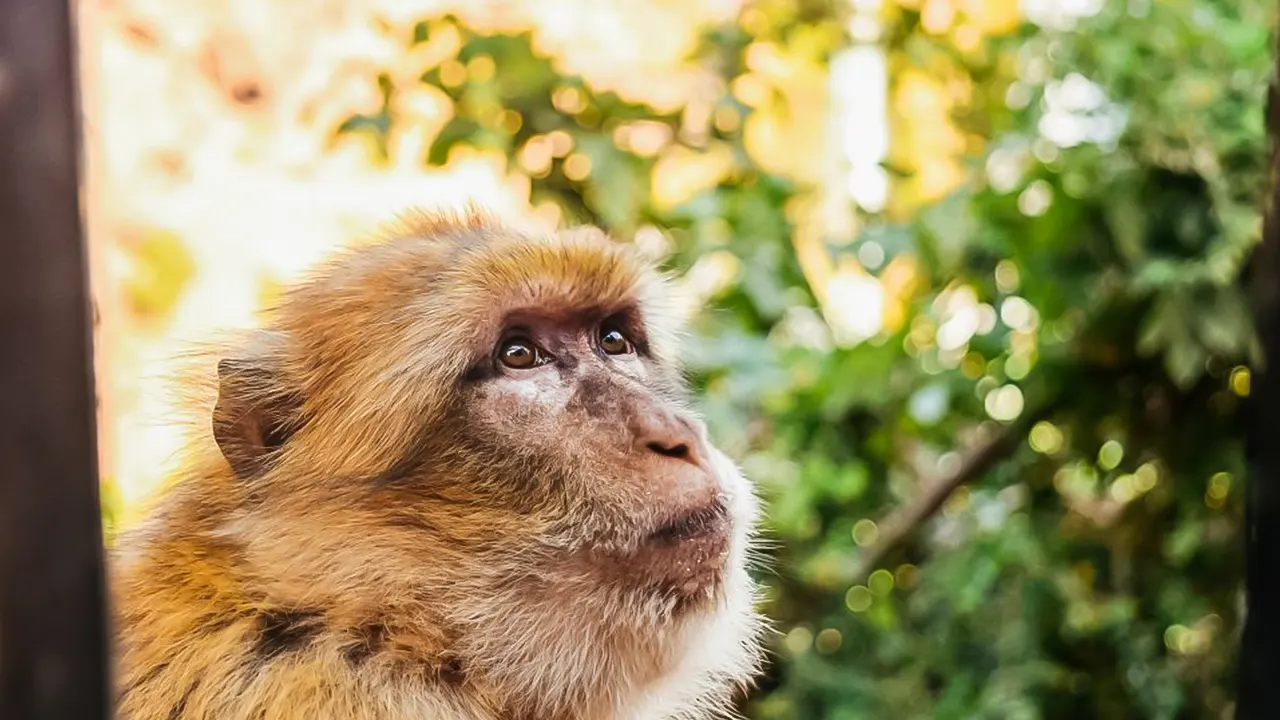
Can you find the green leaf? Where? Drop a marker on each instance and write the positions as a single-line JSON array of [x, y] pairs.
[[457, 131], [421, 32]]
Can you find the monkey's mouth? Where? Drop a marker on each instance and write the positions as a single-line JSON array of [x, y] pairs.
[[682, 556], [701, 522], [685, 556]]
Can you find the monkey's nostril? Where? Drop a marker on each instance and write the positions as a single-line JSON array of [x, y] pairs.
[[680, 452]]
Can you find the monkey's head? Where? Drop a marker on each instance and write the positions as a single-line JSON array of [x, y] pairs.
[[492, 428]]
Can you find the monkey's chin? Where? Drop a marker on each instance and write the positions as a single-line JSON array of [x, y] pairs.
[[686, 557]]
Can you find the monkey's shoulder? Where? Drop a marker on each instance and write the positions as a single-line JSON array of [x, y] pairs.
[[275, 662]]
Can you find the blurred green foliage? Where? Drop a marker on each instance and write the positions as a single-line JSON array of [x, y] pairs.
[[1094, 569]]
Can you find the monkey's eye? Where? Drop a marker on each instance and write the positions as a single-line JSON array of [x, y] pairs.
[[613, 342], [519, 354]]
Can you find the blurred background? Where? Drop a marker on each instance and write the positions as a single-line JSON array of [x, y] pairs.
[[964, 278]]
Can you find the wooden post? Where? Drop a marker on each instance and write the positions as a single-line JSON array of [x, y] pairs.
[[53, 625], [1259, 697]]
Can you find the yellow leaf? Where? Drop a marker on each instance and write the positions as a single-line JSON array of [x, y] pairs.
[[161, 268]]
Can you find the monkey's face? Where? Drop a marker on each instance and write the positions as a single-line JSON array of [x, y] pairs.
[[568, 415], [493, 401]]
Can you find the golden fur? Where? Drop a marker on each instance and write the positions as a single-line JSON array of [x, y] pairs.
[[381, 563]]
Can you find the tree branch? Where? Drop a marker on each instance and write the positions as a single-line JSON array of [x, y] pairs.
[[54, 626], [903, 522], [1259, 653]]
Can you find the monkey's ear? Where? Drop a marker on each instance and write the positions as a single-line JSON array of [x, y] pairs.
[[255, 414]]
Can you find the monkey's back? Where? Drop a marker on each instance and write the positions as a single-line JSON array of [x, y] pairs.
[[197, 640]]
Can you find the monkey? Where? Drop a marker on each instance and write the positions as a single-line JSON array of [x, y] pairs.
[[454, 474]]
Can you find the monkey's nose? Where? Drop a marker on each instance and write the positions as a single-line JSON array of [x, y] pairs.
[[680, 451], [670, 434]]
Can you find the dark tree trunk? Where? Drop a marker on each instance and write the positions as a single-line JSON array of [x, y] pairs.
[[1259, 676], [53, 639]]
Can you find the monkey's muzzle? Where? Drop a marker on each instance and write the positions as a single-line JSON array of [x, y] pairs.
[[688, 552], [701, 522]]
